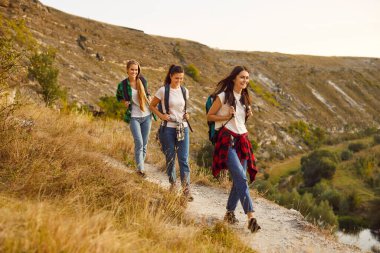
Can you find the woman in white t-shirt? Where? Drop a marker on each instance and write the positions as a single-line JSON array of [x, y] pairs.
[[233, 150], [174, 129], [133, 93]]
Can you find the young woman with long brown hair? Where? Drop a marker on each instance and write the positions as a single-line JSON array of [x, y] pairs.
[[233, 150], [134, 94]]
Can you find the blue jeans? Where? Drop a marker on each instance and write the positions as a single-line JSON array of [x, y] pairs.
[[240, 189], [170, 146], [140, 128]]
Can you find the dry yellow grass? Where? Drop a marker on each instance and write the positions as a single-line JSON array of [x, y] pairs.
[[58, 195]]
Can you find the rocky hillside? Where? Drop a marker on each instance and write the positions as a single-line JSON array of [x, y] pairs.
[[336, 93]]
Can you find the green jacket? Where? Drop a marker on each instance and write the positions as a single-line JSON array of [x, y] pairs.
[[121, 96]]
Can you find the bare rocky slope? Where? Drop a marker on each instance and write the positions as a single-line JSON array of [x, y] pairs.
[[336, 93]]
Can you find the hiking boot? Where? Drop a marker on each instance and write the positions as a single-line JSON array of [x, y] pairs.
[[230, 218], [141, 173], [253, 226], [187, 194], [173, 187]]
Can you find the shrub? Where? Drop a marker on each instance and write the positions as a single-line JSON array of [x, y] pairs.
[[365, 167], [306, 204], [290, 199], [356, 147], [222, 236], [324, 191], [354, 200], [374, 215], [351, 223], [319, 164], [192, 71], [204, 155], [312, 136], [324, 215], [266, 95], [346, 155], [41, 68], [265, 187], [255, 145], [111, 107], [376, 139], [11, 33]]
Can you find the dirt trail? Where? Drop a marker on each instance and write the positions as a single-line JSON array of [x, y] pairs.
[[283, 230]]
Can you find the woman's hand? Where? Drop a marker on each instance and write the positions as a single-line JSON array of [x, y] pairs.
[[165, 117], [126, 103], [186, 116]]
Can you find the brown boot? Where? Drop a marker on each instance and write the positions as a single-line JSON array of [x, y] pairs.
[[187, 194], [253, 226], [141, 173], [173, 187], [230, 218]]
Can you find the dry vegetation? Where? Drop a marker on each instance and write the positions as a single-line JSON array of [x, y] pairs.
[[57, 194]]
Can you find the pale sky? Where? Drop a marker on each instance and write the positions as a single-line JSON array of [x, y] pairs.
[[318, 27]]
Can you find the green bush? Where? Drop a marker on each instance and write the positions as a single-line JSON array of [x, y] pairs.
[[255, 145], [319, 164], [192, 71], [324, 191], [290, 199], [351, 223], [346, 155], [41, 68], [354, 200], [204, 155], [265, 187], [356, 147], [111, 107], [266, 95], [324, 215], [376, 139], [374, 216], [365, 166], [312, 136]]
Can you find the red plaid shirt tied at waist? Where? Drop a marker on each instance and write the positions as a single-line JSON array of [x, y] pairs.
[[243, 147]]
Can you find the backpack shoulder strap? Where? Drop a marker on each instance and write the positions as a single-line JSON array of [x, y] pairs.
[[183, 89], [125, 90], [144, 82], [166, 98]]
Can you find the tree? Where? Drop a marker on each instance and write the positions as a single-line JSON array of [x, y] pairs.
[[41, 68], [319, 164]]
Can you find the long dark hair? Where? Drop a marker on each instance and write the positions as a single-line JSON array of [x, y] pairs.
[[227, 85], [173, 70]]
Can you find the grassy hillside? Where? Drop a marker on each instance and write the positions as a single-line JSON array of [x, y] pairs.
[[352, 192], [57, 194], [338, 94]]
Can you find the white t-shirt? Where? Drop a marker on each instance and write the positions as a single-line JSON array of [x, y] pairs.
[[136, 111], [237, 123], [176, 104]]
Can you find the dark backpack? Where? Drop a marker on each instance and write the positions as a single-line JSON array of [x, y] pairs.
[[126, 95], [212, 133]]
